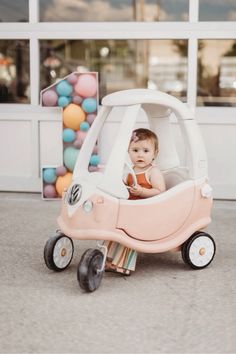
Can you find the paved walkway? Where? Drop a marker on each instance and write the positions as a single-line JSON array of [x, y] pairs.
[[164, 307]]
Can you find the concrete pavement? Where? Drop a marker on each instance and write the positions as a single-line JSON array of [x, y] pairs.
[[164, 307]]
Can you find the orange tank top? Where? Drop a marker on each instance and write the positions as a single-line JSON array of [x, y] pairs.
[[141, 180]]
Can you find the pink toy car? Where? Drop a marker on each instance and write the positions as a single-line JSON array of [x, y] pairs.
[[96, 204]]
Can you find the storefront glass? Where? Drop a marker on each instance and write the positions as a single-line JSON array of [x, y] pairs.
[[121, 64], [212, 10], [216, 72], [14, 11], [113, 10], [14, 71]]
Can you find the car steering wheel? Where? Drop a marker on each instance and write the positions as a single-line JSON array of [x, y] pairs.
[[131, 171]]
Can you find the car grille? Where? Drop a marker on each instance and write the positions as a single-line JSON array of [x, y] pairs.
[[74, 194]]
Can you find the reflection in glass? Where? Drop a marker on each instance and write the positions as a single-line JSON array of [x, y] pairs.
[[211, 10], [121, 64], [217, 72], [14, 11], [14, 71], [113, 10]]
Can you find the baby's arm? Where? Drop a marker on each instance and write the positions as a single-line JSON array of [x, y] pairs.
[[158, 185]]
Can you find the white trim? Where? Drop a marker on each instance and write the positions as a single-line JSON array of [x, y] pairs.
[[34, 71], [193, 10], [118, 30], [192, 72], [33, 11]]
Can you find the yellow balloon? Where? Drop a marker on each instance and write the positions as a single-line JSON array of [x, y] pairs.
[[73, 116], [63, 183]]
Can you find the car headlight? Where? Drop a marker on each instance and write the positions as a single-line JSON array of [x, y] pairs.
[[88, 206]]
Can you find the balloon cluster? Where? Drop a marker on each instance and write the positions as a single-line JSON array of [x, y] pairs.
[[77, 95]]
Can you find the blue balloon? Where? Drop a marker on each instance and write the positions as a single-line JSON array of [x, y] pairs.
[[63, 101], [49, 175], [84, 126], [68, 135], [89, 105], [94, 160], [70, 156], [63, 88]]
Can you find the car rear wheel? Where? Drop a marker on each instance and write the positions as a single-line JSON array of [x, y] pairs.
[[199, 250]]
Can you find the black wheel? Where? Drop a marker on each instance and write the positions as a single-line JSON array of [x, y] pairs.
[[89, 272], [58, 252], [199, 250]]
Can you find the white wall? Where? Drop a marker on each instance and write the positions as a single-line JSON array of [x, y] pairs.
[[31, 138]]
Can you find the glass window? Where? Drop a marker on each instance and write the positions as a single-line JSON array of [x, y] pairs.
[[113, 10], [14, 71], [14, 11], [216, 72], [121, 64], [211, 10]]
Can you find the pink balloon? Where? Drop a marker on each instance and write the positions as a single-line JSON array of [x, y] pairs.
[[81, 135], [77, 99], [72, 79], [90, 118], [50, 98], [49, 191], [86, 85], [61, 171]]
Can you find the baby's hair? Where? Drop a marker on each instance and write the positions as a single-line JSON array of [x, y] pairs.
[[144, 134]]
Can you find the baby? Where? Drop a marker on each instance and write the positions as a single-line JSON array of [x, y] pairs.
[[143, 149]]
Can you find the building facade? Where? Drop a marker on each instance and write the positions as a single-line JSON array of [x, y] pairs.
[[186, 48]]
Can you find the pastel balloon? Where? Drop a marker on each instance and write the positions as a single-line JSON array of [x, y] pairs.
[[73, 116], [92, 168], [69, 156], [78, 143], [63, 183], [95, 150], [72, 79], [49, 191], [94, 160], [61, 171], [49, 98], [68, 135], [86, 85], [90, 118], [77, 99], [81, 135], [63, 88], [63, 101], [49, 175], [84, 126], [89, 105]]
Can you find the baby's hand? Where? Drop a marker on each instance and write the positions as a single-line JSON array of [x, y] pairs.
[[137, 190]]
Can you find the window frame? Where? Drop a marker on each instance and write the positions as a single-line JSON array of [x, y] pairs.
[[191, 30]]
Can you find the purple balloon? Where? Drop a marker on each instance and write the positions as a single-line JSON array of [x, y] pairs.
[[90, 118], [72, 79], [50, 98], [78, 143], [49, 191], [95, 150], [93, 168], [61, 171], [77, 99]]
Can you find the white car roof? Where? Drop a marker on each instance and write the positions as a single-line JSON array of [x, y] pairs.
[[148, 97]]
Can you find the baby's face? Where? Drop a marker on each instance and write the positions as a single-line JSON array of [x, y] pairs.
[[142, 153]]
